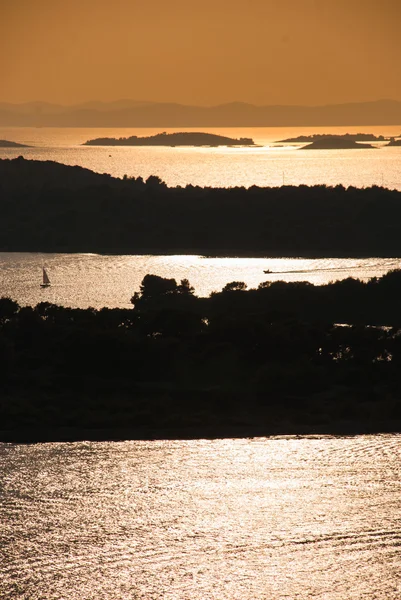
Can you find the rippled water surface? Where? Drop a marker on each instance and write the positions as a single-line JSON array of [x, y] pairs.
[[82, 280], [226, 519], [269, 164]]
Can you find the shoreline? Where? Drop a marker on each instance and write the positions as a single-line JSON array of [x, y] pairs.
[[120, 434], [215, 253]]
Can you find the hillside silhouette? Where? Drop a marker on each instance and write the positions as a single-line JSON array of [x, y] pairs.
[[52, 207], [241, 362]]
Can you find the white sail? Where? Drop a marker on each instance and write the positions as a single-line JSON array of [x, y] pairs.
[[46, 280]]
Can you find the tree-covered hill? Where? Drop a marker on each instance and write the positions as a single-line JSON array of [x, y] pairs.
[[47, 206], [241, 362]]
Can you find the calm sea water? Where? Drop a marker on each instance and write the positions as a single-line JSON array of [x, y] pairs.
[[266, 165], [252, 519], [82, 280]]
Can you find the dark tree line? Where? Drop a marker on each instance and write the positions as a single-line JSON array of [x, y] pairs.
[[47, 206], [273, 359]]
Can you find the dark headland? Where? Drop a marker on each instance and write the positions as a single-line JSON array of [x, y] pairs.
[[51, 207], [8, 144], [394, 142], [173, 139], [335, 143]]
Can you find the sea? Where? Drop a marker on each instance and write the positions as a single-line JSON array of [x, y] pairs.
[[288, 517], [285, 518], [96, 280], [270, 163]]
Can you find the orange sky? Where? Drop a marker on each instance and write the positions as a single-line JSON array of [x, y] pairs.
[[200, 51]]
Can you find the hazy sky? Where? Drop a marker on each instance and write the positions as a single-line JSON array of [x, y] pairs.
[[200, 51]]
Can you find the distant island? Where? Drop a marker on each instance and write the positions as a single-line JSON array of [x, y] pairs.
[[173, 139], [335, 143], [353, 137], [394, 142], [8, 144]]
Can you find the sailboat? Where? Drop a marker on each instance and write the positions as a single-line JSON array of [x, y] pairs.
[[46, 280]]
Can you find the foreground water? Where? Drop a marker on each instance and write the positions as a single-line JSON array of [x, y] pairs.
[[83, 280], [225, 519], [268, 165]]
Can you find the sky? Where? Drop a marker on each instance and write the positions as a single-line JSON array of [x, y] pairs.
[[202, 52]]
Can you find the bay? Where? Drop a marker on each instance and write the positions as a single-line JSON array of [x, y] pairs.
[[287, 517]]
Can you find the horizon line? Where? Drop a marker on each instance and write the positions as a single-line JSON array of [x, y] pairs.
[[200, 106]]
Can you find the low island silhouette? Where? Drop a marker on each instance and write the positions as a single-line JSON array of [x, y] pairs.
[[336, 143], [394, 142], [353, 137], [8, 144], [173, 139]]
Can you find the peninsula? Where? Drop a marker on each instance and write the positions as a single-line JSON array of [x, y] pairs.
[[8, 144], [335, 143], [352, 137], [173, 139]]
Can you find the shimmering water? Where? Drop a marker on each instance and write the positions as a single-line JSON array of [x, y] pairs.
[[82, 280], [266, 165], [281, 518]]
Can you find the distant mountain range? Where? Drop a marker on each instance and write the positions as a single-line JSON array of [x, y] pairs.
[[130, 113]]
